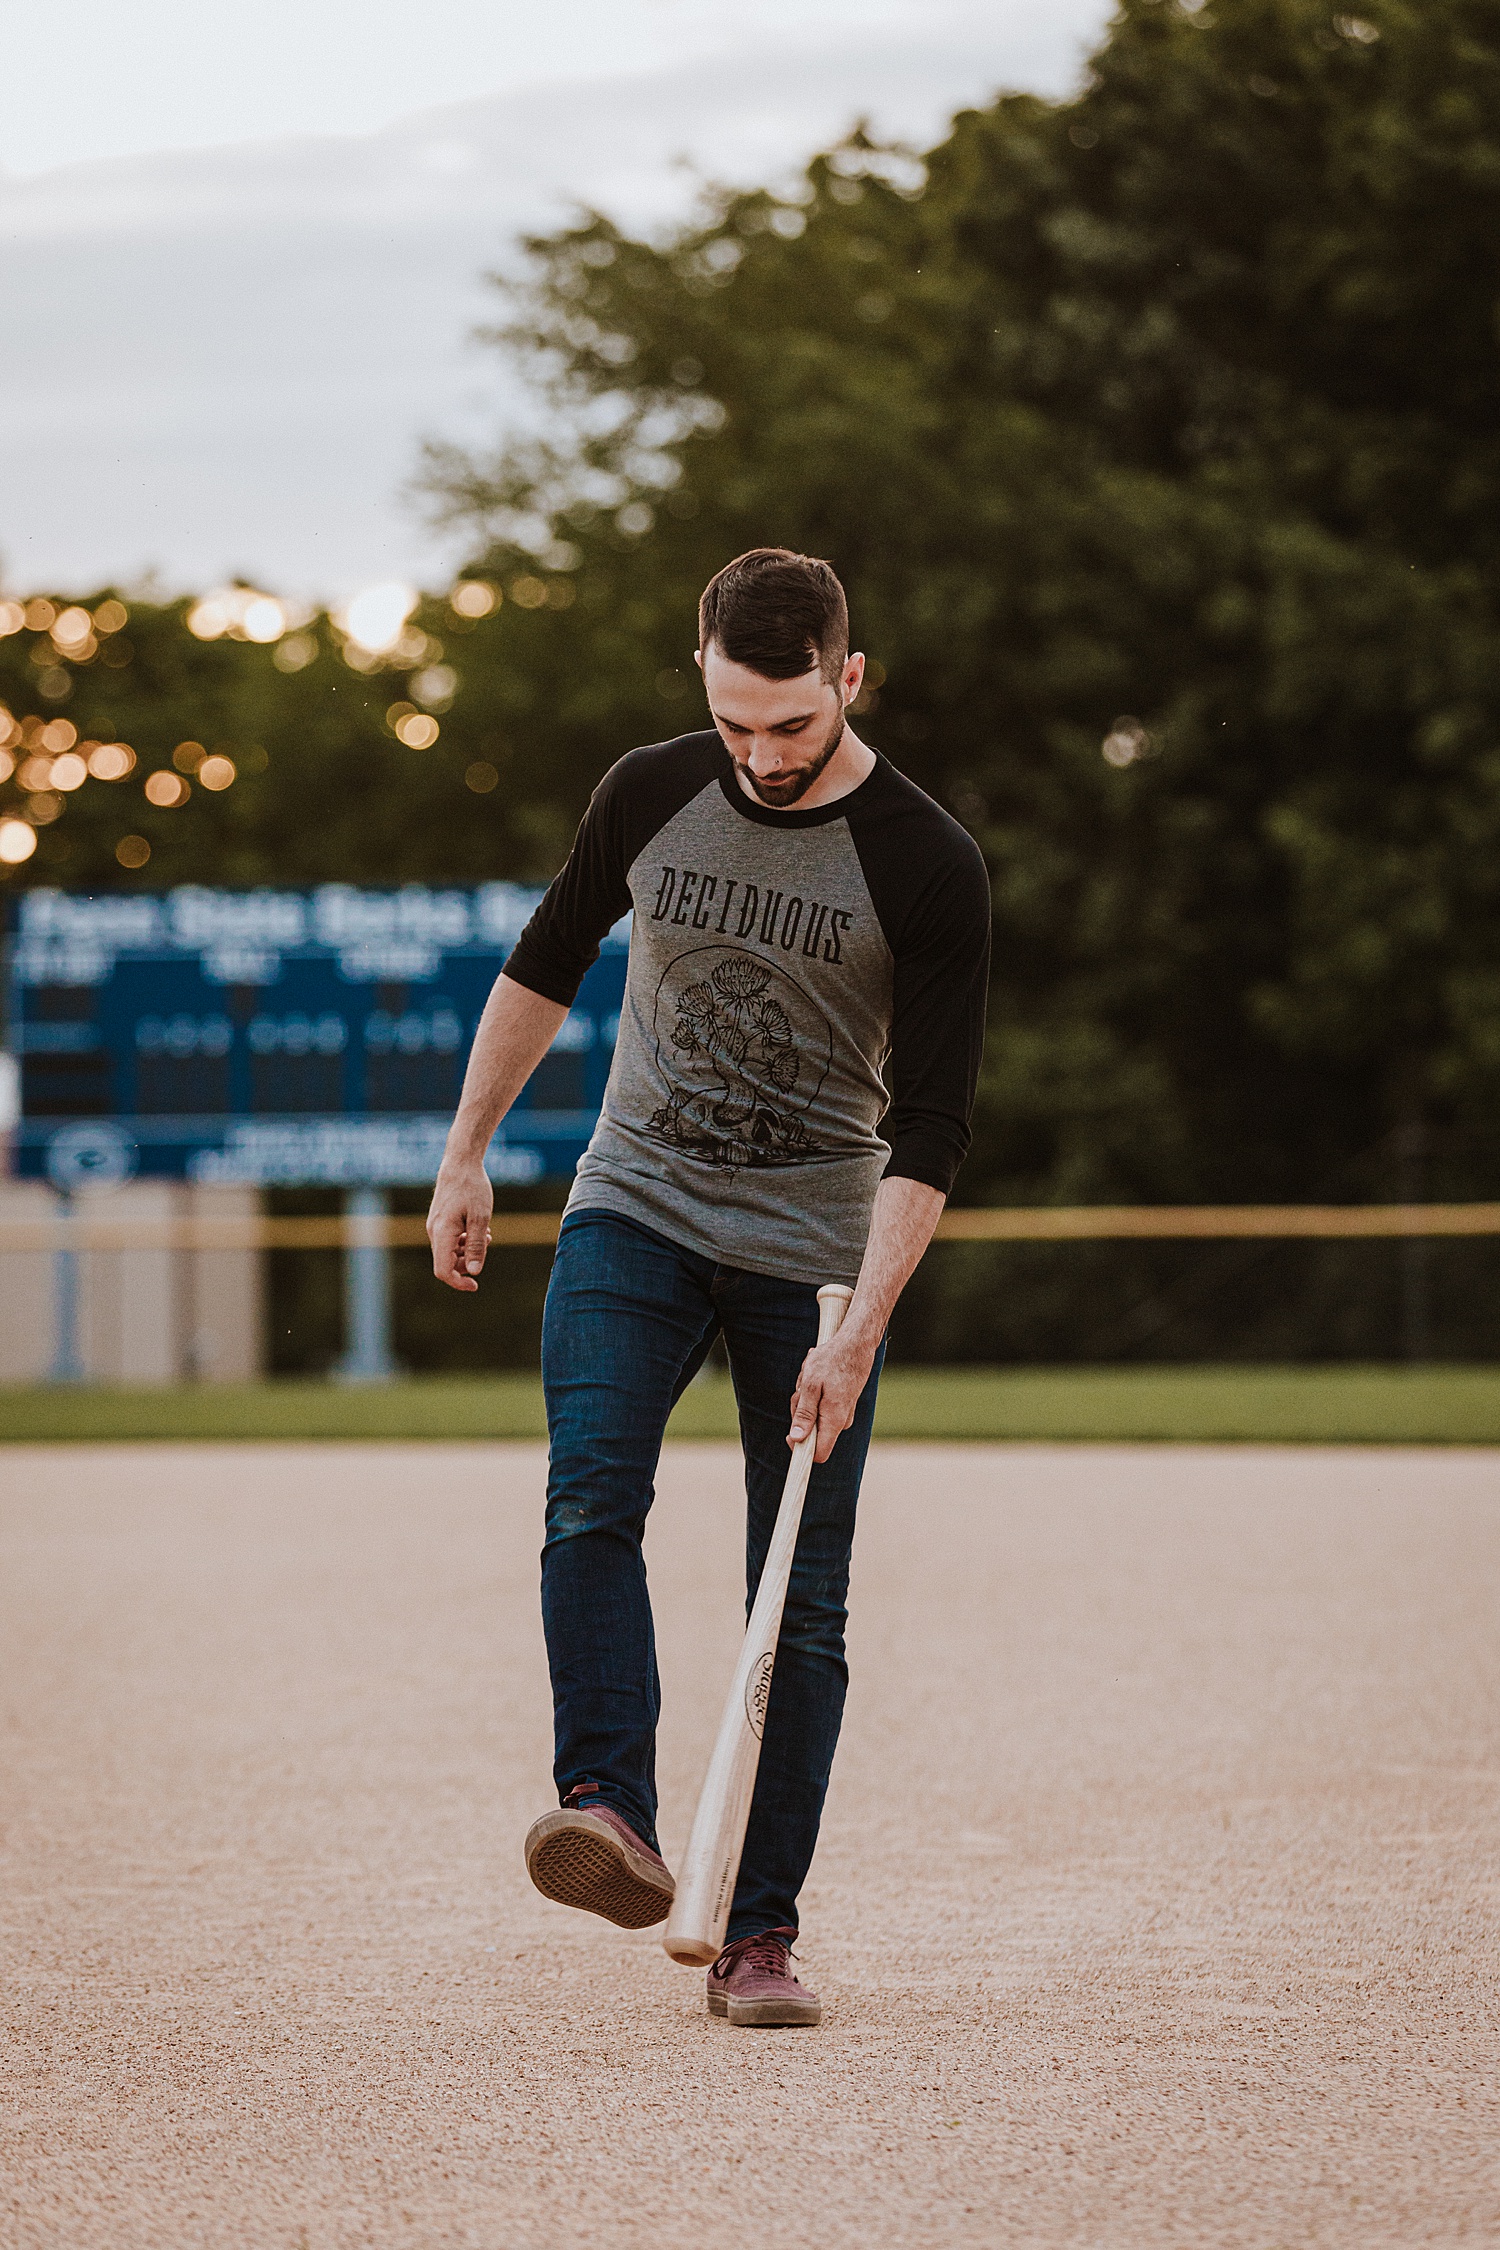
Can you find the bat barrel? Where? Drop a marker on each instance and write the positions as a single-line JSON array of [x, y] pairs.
[[705, 1884]]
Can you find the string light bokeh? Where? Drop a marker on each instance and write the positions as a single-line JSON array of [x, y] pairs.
[[45, 762]]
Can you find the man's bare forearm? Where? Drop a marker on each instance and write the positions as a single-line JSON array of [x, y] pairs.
[[515, 1031], [835, 1374], [901, 1224]]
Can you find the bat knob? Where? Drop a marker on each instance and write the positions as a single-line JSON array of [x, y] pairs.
[[692, 1952]]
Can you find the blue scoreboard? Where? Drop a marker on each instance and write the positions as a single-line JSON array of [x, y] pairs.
[[282, 1038]]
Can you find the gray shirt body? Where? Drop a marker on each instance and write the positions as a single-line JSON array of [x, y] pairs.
[[803, 1009]]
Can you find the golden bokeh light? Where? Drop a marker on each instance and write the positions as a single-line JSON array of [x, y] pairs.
[[12, 618], [375, 619], [43, 807], [7, 765], [264, 619], [10, 728], [474, 597], [69, 771], [418, 732], [36, 772], [111, 617], [39, 614], [216, 772], [531, 593], [397, 712], [188, 756], [17, 841], [242, 612], [58, 735], [1126, 741], [435, 685], [208, 620], [295, 653], [111, 761], [71, 627], [481, 777], [132, 851], [166, 789]]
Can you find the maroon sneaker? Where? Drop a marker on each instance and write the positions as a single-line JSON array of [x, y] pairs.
[[590, 1856], [752, 1983]]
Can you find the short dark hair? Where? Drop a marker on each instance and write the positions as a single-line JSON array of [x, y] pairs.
[[778, 613]]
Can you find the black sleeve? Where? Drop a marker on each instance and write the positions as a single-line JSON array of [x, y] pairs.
[[638, 796], [932, 892]]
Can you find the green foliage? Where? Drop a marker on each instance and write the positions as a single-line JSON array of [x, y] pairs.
[[323, 789], [1176, 401]]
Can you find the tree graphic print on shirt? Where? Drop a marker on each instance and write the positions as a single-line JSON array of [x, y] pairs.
[[743, 1052]]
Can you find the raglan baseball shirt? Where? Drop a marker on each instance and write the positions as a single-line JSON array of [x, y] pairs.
[[804, 1003]]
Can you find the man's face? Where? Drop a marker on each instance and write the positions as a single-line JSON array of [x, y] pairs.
[[780, 733]]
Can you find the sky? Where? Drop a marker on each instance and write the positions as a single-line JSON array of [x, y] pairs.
[[241, 249], [174, 74]]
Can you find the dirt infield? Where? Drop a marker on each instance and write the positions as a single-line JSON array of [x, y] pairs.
[[1156, 1904]]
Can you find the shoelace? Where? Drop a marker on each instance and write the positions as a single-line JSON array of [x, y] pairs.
[[764, 1950]]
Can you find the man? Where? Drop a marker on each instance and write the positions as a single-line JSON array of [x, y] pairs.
[[788, 1105]]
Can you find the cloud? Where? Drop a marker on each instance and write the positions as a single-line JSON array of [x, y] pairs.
[[223, 359]]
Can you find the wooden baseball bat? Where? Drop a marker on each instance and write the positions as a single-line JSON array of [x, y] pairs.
[[705, 1885]]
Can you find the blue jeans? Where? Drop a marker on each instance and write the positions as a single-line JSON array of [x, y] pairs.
[[630, 1319]]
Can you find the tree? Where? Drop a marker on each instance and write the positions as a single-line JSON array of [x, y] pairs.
[[1155, 436], [1160, 423], [323, 786]]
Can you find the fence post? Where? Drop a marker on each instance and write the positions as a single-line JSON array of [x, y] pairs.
[[1416, 1251], [368, 1357], [67, 1360]]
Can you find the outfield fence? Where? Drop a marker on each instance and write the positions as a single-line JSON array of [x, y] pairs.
[[83, 1227]]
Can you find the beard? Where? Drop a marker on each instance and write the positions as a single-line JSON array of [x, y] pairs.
[[795, 785]]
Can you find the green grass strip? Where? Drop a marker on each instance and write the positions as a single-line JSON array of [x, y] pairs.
[[1264, 1405]]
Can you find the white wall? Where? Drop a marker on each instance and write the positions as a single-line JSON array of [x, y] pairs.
[[144, 1316]]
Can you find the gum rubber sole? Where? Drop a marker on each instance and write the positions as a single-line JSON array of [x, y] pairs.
[[766, 2015], [579, 1862], [774, 2015]]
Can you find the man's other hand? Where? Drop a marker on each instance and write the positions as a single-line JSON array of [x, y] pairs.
[[458, 1224]]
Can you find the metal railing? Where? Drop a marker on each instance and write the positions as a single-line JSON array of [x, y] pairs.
[[89, 1226]]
